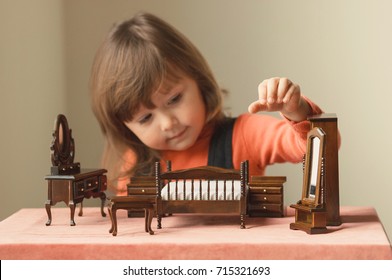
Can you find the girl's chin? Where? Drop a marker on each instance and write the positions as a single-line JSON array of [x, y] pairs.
[[184, 145], [180, 147]]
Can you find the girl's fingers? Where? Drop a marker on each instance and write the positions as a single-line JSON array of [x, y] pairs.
[[283, 87], [256, 106], [272, 90], [276, 94], [262, 90]]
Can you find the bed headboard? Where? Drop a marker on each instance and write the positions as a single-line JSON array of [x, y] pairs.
[[204, 172]]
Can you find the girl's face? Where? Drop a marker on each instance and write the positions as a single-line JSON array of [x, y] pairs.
[[177, 119]]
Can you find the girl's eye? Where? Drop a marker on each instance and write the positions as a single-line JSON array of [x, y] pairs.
[[175, 99], [145, 119]]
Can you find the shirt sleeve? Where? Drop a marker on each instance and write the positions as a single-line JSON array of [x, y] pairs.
[[268, 140]]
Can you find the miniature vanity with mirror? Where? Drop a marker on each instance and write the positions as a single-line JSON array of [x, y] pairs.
[[67, 182], [310, 211]]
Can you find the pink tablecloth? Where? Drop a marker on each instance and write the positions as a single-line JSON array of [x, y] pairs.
[[25, 236]]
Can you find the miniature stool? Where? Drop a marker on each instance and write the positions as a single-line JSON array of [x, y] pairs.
[[140, 202]]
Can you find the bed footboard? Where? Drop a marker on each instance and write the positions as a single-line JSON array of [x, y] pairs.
[[204, 189]]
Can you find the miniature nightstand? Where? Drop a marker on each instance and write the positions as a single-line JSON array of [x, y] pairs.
[[266, 196], [141, 186]]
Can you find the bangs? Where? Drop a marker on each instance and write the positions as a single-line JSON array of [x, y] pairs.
[[138, 93]]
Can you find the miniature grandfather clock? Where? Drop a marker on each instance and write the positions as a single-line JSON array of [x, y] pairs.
[[310, 212], [329, 124], [67, 181]]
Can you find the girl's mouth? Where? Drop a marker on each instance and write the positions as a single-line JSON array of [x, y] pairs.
[[178, 135]]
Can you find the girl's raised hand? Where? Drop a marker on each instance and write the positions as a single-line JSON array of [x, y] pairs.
[[281, 94]]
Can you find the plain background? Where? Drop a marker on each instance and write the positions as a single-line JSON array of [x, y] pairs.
[[339, 51]]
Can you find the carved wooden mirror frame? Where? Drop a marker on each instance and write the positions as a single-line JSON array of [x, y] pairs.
[[63, 149]]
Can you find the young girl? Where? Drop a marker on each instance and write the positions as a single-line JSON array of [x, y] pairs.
[[156, 98]]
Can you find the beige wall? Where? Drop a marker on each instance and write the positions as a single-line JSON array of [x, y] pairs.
[[338, 51], [32, 93]]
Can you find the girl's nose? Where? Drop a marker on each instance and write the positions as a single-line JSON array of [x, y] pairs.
[[168, 121]]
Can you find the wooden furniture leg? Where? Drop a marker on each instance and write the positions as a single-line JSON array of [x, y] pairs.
[[80, 214], [113, 214], [111, 230], [103, 199], [72, 207], [48, 211], [149, 215], [159, 221], [242, 222]]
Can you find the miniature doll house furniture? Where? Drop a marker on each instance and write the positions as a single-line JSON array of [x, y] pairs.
[[140, 202], [204, 189], [329, 124], [321, 181], [310, 211], [266, 196], [145, 202], [67, 181]]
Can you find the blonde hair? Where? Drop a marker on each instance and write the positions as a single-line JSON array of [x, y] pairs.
[[131, 63]]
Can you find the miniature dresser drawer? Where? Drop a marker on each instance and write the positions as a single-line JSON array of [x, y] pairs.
[[91, 183], [142, 186], [266, 189], [141, 190], [79, 188], [266, 198], [82, 187], [265, 210]]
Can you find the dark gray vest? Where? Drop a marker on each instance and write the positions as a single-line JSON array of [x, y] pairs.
[[220, 153]]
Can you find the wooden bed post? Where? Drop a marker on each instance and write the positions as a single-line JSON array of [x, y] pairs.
[[328, 123], [244, 183], [159, 198]]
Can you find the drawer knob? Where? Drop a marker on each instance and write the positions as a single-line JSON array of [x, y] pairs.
[[143, 190], [265, 198], [265, 190], [264, 207]]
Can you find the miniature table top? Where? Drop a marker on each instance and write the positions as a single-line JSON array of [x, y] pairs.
[[189, 236]]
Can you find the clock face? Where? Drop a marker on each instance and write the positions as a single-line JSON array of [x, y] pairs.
[[63, 147]]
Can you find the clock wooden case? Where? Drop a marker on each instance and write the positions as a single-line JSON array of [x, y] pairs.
[[310, 211]]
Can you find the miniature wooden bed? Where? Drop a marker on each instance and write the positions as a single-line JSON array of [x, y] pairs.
[[204, 189]]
